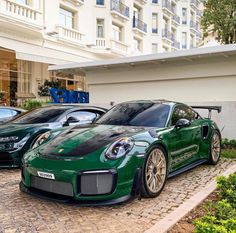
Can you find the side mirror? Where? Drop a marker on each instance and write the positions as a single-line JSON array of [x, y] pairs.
[[181, 123], [70, 121]]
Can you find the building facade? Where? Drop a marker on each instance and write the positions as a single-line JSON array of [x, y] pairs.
[[37, 33]]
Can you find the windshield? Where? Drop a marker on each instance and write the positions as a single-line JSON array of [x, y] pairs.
[[41, 115], [137, 114]]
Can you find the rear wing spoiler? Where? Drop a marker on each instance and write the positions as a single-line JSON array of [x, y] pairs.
[[209, 108]]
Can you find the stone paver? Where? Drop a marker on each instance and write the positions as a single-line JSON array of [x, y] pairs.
[[20, 212]]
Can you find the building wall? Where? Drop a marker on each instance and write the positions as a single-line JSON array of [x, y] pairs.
[[203, 81]]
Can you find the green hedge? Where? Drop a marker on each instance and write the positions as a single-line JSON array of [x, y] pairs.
[[228, 144], [221, 216]]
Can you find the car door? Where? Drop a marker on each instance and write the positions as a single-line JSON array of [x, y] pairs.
[[184, 141]]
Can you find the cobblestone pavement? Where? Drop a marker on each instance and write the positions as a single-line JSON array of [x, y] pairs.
[[20, 212]]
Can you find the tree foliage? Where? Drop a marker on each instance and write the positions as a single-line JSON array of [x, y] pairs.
[[220, 15]]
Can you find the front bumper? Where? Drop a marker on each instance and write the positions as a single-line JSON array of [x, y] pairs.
[[102, 184]]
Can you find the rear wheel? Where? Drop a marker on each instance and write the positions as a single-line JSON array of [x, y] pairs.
[[215, 148], [154, 173]]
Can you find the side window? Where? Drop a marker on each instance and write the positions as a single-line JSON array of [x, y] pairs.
[[83, 116], [183, 112], [14, 113], [4, 113]]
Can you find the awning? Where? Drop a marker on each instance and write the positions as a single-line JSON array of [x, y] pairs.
[[36, 53]]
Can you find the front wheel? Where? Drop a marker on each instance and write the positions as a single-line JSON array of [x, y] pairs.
[[215, 148], [154, 172]]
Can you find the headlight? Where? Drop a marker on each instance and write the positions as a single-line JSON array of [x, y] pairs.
[[8, 139], [40, 140], [119, 148]]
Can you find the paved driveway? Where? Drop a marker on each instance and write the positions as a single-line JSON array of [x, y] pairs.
[[20, 212]]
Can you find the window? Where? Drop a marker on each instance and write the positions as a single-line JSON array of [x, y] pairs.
[[183, 112], [66, 18], [184, 40], [83, 116], [145, 114], [155, 1], [100, 2], [154, 23], [154, 48], [40, 115], [116, 32], [5, 113], [184, 16], [31, 3], [100, 28]]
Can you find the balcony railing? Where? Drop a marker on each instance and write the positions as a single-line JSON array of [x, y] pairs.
[[21, 12], [199, 13], [167, 5], [139, 24], [119, 46], [176, 18], [101, 42], [199, 34], [174, 42], [194, 3], [193, 25], [69, 34], [166, 34], [120, 8]]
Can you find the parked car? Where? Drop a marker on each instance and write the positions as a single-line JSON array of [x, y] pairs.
[[19, 135], [9, 113], [130, 150]]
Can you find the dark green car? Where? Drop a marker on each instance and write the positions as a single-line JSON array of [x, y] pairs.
[[131, 150], [19, 135]]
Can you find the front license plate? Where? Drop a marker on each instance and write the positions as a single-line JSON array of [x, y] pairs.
[[46, 175]]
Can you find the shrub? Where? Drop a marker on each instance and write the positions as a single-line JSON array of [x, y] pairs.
[[32, 104], [228, 144], [227, 187], [221, 216]]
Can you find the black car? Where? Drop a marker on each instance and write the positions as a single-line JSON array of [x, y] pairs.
[[9, 113], [18, 136]]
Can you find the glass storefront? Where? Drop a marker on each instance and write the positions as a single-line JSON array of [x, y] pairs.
[[15, 76]]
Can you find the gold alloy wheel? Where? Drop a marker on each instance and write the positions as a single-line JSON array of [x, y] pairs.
[[215, 147], [155, 170]]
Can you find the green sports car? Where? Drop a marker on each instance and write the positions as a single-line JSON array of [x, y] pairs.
[[131, 150]]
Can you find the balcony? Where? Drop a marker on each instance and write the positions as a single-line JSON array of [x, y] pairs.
[[119, 10], [142, 1], [76, 3], [174, 43], [21, 13], [166, 35], [193, 3], [118, 47], [139, 26], [193, 26], [176, 19], [199, 35], [69, 34], [199, 13], [100, 43], [166, 6]]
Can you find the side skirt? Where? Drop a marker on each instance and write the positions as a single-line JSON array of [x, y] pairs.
[[186, 168]]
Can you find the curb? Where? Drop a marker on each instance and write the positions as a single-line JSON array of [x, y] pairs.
[[171, 219]]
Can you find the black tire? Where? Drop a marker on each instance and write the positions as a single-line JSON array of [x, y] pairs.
[[215, 148], [154, 179]]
